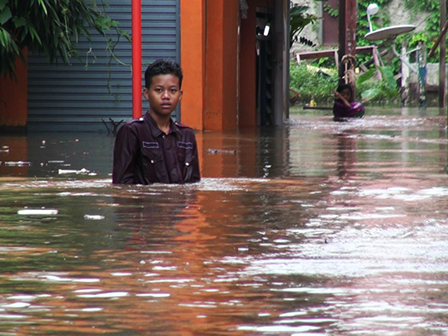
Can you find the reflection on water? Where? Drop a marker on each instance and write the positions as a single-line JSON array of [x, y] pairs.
[[313, 228]]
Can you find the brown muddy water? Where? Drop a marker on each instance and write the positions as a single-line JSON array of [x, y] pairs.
[[308, 229]]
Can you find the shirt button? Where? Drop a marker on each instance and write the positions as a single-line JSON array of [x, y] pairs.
[[187, 163], [163, 136], [152, 161]]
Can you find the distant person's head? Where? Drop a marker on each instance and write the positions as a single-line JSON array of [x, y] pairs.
[[346, 91], [163, 67]]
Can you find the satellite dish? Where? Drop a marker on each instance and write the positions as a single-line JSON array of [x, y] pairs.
[[388, 32]]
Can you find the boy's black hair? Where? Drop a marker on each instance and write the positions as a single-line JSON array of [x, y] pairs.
[[163, 67], [342, 87]]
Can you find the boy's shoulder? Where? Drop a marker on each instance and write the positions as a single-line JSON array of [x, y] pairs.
[[180, 125], [186, 131], [136, 120]]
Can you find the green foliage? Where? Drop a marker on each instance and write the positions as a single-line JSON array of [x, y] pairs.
[[432, 7], [330, 10], [311, 83], [377, 91], [50, 27], [379, 20], [299, 19], [431, 10], [386, 89], [325, 62]]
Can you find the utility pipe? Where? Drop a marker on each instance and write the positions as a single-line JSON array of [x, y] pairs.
[[136, 58]]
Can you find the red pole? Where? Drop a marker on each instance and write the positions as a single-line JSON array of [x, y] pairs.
[[136, 58]]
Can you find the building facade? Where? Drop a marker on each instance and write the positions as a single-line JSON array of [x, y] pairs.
[[234, 74]]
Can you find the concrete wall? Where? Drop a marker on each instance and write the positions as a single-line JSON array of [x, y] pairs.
[[395, 11]]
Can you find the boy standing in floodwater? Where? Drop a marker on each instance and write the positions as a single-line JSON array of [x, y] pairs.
[[344, 104], [154, 148]]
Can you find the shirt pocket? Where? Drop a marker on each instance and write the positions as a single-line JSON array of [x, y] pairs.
[[152, 159], [186, 158]]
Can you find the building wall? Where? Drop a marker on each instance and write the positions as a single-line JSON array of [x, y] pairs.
[[221, 64], [247, 109], [83, 96], [210, 56], [13, 98], [394, 10], [216, 49], [192, 56]]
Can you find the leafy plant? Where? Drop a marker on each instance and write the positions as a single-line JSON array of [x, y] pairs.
[[311, 82], [299, 19], [330, 10], [50, 27], [380, 91]]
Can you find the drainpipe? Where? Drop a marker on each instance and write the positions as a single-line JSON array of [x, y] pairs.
[[136, 58]]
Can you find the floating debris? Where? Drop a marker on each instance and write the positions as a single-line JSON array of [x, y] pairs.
[[17, 163], [93, 217], [82, 171], [40, 212], [220, 151]]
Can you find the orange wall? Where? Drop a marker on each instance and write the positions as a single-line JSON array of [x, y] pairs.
[[209, 54], [215, 95], [230, 56], [14, 97], [214, 84], [192, 55], [221, 64]]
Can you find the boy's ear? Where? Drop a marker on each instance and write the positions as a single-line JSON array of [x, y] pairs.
[[181, 94], [145, 93]]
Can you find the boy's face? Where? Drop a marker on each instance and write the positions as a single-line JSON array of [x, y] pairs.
[[163, 95]]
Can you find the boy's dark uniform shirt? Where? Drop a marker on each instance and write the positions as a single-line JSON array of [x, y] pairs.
[[144, 154]]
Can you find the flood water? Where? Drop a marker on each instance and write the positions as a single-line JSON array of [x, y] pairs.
[[312, 228]]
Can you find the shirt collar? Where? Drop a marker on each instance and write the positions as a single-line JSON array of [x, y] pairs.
[[155, 130]]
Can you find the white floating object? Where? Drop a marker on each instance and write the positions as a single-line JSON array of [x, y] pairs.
[[82, 171], [17, 163], [93, 217], [16, 305], [37, 212]]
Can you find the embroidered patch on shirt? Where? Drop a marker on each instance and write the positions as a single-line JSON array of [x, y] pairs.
[[185, 145], [147, 144]]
